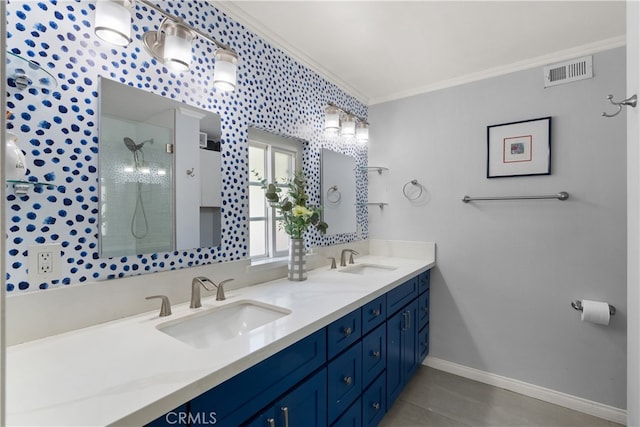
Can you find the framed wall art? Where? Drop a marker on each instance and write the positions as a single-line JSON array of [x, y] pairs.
[[519, 148]]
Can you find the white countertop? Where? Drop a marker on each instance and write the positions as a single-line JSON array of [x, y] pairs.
[[126, 372]]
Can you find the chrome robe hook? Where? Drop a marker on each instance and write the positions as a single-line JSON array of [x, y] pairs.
[[629, 102]]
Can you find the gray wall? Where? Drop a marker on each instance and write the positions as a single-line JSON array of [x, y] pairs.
[[507, 271]]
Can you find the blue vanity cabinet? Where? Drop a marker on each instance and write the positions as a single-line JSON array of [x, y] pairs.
[[374, 354], [374, 402], [423, 315], [352, 417], [305, 405], [424, 281], [344, 381], [374, 314], [239, 398], [401, 295], [343, 332], [402, 349]]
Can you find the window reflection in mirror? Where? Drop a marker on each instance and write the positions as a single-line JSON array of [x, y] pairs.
[[159, 173], [338, 186]]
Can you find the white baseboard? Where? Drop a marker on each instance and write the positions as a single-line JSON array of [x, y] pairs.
[[562, 399]]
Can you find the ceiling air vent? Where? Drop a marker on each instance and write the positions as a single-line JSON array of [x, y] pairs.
[[568, 71]]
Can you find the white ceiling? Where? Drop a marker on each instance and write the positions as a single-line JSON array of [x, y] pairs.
[[383, 50]]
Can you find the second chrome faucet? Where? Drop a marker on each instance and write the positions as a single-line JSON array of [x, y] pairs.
[[206, 283]]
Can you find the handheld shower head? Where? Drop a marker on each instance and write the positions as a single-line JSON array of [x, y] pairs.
[[131, 145]]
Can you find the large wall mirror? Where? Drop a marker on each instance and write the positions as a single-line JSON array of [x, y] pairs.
[[160, 172], [338, 186]]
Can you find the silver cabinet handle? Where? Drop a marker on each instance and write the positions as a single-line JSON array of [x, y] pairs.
[[348, 331], [375, 312], [405, 326], [376, 406], [347, 380], [375, 354], [285, 411], [272, 422]]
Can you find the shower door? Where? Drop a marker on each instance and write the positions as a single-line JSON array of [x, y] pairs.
[[136, 186]]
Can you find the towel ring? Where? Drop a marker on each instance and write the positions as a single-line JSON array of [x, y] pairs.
[[417, 184], [337, 196]]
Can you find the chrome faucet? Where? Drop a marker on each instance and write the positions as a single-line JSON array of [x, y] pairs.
[[343, 262], [208, 285]]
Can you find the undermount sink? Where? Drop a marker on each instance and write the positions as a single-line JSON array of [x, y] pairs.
[[216, 325], [367, 268]]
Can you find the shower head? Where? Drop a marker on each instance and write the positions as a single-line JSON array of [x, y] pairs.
[[131, 145]]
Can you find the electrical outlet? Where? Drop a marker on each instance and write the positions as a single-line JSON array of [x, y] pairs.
[[44, 263]]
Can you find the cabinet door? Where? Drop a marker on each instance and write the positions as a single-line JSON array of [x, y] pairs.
[[306, 405], [374, 354], [351, 418], [423, 343], [345, 381], [374, 403], [423, 310], [402, 349], [410, 343], [395, 326]]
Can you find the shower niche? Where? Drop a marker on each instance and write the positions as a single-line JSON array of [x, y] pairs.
[[160, 173]]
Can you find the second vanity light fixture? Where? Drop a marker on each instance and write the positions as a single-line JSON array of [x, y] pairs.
[[170, 44], [348, 124]]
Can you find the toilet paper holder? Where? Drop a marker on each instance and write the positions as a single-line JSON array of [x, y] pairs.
[[577, 304]]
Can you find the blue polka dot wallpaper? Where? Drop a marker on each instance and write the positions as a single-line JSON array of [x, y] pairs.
[[57, 128]]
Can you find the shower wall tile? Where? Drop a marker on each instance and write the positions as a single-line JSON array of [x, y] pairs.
[[58, 130]]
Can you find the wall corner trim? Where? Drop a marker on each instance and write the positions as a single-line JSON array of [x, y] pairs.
[[576, 403]]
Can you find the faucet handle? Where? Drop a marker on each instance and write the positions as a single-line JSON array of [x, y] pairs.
[[351, 261], [165, 308], [333, 262], [220, 294]]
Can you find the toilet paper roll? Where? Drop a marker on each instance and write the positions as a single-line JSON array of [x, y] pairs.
[[595, 312]]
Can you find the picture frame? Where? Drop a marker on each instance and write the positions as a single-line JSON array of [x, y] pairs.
[[519, 148]]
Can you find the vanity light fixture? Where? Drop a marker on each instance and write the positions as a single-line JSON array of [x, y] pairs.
[[362, 132], [113, 21], [349, 125], [332, 118], [170, 44], [224, 75]]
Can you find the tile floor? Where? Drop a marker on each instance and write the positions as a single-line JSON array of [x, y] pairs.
[[437, 398]]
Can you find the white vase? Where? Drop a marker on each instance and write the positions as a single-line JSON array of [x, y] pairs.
[[15, 165], [297, 260]]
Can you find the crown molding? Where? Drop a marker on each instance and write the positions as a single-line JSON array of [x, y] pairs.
[[562, 55], [237, 13]]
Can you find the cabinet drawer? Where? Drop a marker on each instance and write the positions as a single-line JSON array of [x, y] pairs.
[[423, 310], [374, 402], [373, 314], [374, 354], [424, 279], [351, 418], [247, 393], [401, 295], [344, 381], [344, 332], [423, 343]]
